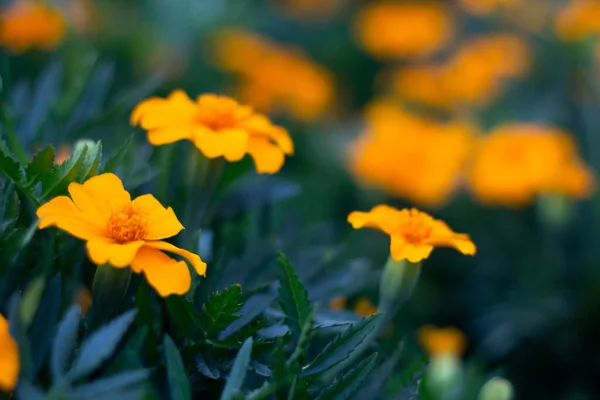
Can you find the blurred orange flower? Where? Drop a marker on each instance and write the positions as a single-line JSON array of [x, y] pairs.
[[578, 20], [472, 76], [217, 125], [394, 29], [517, 162], [122, 232], [337, 303], [413, 233], [264, 69], [83, 298], [31, 24], [364, 307], [62, 154], [442, 341], [9, 361], [409, 156], [482, 7]]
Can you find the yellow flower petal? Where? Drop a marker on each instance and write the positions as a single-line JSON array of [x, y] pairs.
[[194, 259], [104, 250], [268, 158], [166, 275], [62, 213], [107, 192], [443, 236], [230, 143], [380, 217], [401, 250], [162, 222], [155, 112], [169, 134], [9, 359]]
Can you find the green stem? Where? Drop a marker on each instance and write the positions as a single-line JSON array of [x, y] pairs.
[[108, 290]]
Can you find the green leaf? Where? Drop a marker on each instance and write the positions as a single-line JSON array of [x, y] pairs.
[[11, 168], [220, 309], [26, 390], [46, 320], [64, 342], [342, 345], [106, 386], [343, 387], [100, 346], [59, 178], [91, 162], [293, 298], [302, 346], [42, 163], [108, 290], [179, 385], [115, 161], [31, 300], [238, 371], [205, 369]]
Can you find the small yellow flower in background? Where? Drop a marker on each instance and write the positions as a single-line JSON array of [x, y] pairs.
[[442, 341], [338, 303], [483, 7], [516, 162], [62, 154], [395, 29], [217, 125], [83, 298], [264, 69], [578, 20], [413, 233], [409, 156], [9, 358], [364, 307], [123, 232], [31, 24]]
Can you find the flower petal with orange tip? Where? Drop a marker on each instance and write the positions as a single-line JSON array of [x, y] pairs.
[[194, 259], [103, 251], [64, 214], [229, 143], [162, 222], [379, 218], [166, 275], [102, 192]]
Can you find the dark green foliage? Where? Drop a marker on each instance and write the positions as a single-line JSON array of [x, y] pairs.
[[221, 309]]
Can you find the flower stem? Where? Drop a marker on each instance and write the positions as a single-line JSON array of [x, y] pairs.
[[108, 290]]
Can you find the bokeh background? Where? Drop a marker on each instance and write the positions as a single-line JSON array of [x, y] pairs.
[[484, 113]]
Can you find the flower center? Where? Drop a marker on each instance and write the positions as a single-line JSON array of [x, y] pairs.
[[416, 226], [128, 224]]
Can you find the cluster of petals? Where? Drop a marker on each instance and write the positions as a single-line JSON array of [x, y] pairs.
[[28, 24], [217, 125], [414, 234], [123, 232]]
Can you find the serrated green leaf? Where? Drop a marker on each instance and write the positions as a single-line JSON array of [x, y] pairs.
[[220, 309], [100, 346], [293, 297], [41, 164], [342, 345], [11, 168], [179, 385], [299, 353], [113, 384], [91, 163], [115, 161], [238, 371], [343, 387], [57, 181], [64, 342]]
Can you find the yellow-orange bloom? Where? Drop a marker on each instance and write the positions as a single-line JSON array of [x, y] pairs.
[[442, 341], [123, 232], [483, 7], [217, 125], [517, 162], [364, 307], [9, 358], [393, 29], [413, 233], [578, 20], [411, 157], [337, 303], [31, 24], [264, 69]]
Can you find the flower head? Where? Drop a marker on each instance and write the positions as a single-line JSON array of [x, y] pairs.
[[123, 232], [413, 233], [516, 162], [31, 24], [217, 125], [578, 20], [9, 361], [393, 29], [442, 341], [364, 307]]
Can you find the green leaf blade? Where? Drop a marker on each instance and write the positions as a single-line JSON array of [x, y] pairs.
[[221, 309], [179, 385], [238, 371], [343, 387], [293, 297]]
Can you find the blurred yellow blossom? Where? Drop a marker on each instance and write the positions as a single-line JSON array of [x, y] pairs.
[[29, 24], [364, 307], [122, 232], [482, 7], [217, 125], [338, 303], [413, 233], [578, 20], [9, 358], [516, 162], [474, 75], [442, 341], [396, 29], [409, 156], [264, 69]]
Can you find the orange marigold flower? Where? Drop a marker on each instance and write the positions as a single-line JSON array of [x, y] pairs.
[[442, 341], [123, 232], [517, 162], [217, 125], [9, 361], [392, 29], [31, 24], [364, 307], [411, 157], [337, 303], [413, 233], [578, 20], [483, 7]]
